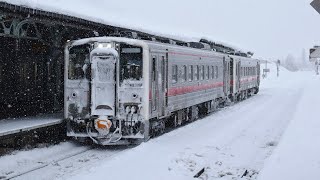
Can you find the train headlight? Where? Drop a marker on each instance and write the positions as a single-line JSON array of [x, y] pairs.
[[100, 45], [108, 45], [133, 109], [128, 109], [104, 45]]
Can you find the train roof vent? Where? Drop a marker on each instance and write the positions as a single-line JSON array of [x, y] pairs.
[[197, 45], [206, 46]]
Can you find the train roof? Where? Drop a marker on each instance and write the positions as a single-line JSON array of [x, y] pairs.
[[143, 43]]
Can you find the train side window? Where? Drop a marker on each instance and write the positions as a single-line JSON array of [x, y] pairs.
[[202, 72], [212, 72], [154, 69], [196, 73], [190, 73], [184, 73], [216, 71], [174, 74], [208, 72]]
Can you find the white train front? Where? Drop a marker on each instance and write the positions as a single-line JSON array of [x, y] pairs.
[[123, 91]]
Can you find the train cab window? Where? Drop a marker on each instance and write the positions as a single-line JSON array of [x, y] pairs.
[[202, 72], [196, 73], [174, 74], [191, 73], [208, 72], [78, 59], [184, 73], [131, 62]]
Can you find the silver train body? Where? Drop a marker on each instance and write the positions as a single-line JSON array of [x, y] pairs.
[[122, 91]]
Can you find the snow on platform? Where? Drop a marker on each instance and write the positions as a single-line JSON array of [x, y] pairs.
[[16, 125], [297, 155]]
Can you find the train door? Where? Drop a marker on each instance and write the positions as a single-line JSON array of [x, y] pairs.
[[226, 75], [103, 85], [238, 75], [258, 73], [159, 84], [162, 83], [232, 75]]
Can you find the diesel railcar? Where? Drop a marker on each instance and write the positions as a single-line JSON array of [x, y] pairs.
[[122, 91]]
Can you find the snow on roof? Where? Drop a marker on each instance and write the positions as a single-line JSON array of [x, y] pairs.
[[102, 13]]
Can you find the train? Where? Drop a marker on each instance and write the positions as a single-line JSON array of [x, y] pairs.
[[120, 91]]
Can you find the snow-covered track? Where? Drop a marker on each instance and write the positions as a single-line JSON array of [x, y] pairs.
[[66, 160], [45, 164]]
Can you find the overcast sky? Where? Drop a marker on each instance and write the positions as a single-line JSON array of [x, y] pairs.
[[270, 28]]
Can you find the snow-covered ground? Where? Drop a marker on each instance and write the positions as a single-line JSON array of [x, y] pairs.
[[235, 141], [297, 156]]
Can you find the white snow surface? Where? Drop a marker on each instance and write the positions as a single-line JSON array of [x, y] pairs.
[[297, 156], [280, 122]]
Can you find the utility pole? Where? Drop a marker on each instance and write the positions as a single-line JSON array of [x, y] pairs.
[[278, 69], [317, 66]]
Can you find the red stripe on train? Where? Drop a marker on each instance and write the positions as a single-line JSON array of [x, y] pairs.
[[189, 89], [186, 54]]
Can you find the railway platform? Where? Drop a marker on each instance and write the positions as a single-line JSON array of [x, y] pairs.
[[18, 127]]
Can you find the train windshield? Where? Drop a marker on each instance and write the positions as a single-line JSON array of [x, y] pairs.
[[79, 62], [130, 62]]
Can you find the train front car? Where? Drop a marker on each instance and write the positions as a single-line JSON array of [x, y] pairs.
[[105, 90]]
